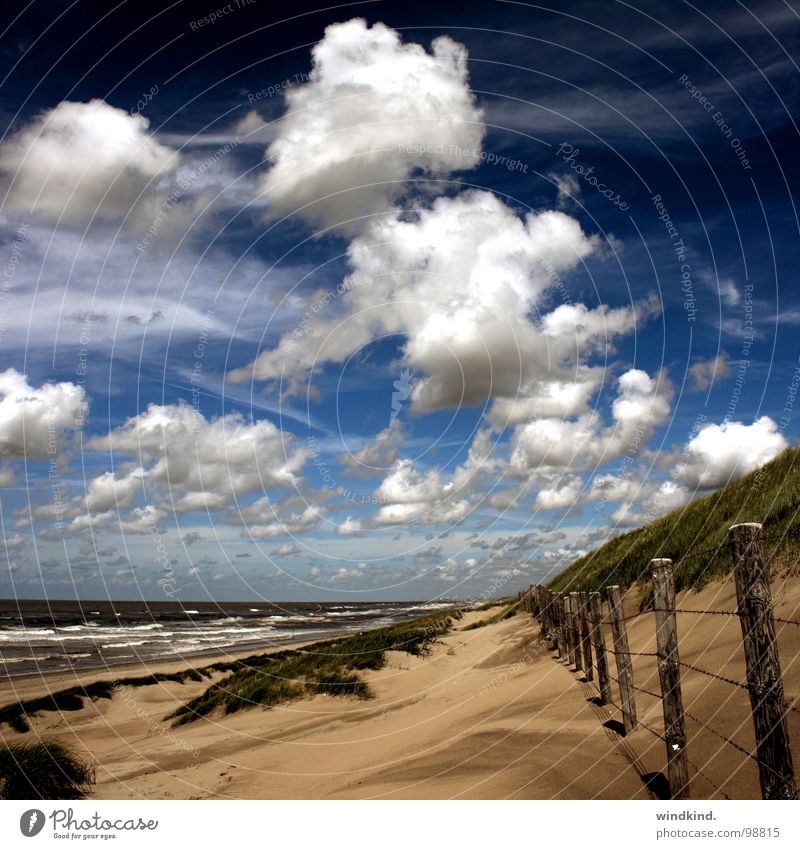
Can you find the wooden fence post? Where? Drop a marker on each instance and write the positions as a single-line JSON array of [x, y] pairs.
[[622, 655], [764, 677], [547, 613], [569, 625], [586, 645], [669, 674], [596, 621], [544, 613], [574, 607], [552, 614], [558, 619]]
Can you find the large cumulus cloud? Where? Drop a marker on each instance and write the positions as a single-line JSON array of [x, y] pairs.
[[79, 160], [374, 112], [36, 421], [459, 280], [718, 454]]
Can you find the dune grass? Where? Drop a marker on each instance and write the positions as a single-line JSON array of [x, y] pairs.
[[43, 770], [510, 610], [330, 667], [770, 495], [16, 714]]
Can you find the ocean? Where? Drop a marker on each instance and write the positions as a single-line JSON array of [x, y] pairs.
[[52, 636]]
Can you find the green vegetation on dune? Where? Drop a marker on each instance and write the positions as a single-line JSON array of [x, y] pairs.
[[262, 679], [43, 770], [770, 495], [330, 667], [511, 609], [17, 713]]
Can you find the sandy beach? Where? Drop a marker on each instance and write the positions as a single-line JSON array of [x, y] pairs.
[[489, 713]]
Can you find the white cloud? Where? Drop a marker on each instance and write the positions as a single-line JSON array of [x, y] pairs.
[[569, 189], [407, 485], [410, 494], [464, 280], [107, 492], [78, 159], [374, 112], [721, 453], [555, 399], [12, 545], [641, 404], [261, 520], [186, 463], [626, 517], [563, 492], [34, 421], [619, 487], [459, 280], [186, 454], [377, 455], [669, 496], [704, 372], [285, 550], [349, 527]]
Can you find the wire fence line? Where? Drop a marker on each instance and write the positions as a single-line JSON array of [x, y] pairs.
[[732, 743], [573, 624]]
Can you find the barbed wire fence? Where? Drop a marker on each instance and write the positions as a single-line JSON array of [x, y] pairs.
[[574, 623]]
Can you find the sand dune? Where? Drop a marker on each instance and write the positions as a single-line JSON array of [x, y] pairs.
[[488, 714]]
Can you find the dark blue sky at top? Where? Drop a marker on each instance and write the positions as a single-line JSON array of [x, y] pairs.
[[526, 64], [602, 78]]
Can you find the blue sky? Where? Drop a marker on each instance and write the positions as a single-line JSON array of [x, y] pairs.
[[384, 301]]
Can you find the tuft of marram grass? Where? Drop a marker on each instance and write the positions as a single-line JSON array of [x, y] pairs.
[[43, 770], [330, 667], [17, 714]]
